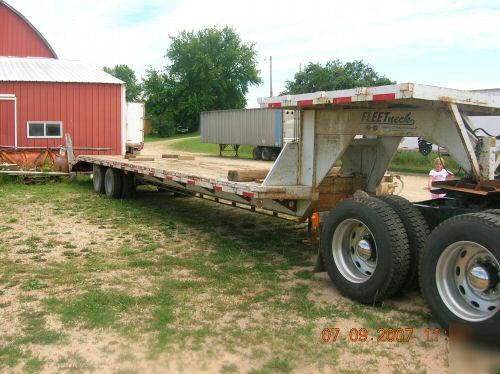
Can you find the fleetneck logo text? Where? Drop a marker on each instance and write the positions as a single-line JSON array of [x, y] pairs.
[[387, 118]]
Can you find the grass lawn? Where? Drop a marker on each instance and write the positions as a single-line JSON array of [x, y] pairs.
[[196, 146], [414, 162], [162, 283], [155, 138]]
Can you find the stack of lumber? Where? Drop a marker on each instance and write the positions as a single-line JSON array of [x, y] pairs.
[[335, 188]]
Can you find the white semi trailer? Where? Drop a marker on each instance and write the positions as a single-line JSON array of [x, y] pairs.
[[134, 133], [371, 246], [265, 129]]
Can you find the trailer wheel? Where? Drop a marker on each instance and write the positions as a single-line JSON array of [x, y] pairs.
[[460, 274], [113, 183], [128, 185], [266, 153], [417, 231], [495, 212], [98, 178], [365, 249], [256, 153], [274, 154]]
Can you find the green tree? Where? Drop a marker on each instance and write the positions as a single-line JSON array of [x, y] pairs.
[[158, 94], [126, 74], [208, 69], [334, 76]]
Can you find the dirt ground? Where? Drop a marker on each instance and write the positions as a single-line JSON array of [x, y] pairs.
[[164, 284], [150, 287], [414, 187]]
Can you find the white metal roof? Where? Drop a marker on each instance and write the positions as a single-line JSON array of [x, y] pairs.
[[29, 69]]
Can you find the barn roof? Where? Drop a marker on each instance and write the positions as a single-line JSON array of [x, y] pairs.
[[28, 23], [17, 69]]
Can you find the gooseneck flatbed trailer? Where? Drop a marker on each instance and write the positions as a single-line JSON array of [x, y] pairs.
[[371, 246]]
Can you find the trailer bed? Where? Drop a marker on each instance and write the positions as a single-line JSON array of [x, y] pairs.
[[412, 94], [206, 172]]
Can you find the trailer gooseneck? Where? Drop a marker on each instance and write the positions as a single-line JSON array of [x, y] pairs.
[[371, 246]]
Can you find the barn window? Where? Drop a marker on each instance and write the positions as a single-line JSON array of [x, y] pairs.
[[44, 129]]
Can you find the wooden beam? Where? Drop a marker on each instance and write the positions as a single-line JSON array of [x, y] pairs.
[[246, 175], [177, 156], [141, 159]]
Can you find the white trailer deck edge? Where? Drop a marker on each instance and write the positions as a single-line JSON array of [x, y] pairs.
[[482, 102]]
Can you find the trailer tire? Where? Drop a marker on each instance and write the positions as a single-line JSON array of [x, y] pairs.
[[377, 268], [113, 183], [265, 153], [98, 173], [417, 231], [274, 154], [128, 185], [495, 212], [256, 153], [459, 275]]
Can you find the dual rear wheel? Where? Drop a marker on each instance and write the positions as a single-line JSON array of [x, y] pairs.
[[374, 247], [460, 275], [365, 249], [265, 153], [112, 182]]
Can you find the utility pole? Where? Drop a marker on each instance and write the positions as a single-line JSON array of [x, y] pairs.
[[271, 75]]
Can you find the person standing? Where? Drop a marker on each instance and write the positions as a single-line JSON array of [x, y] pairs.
[[439, 173]]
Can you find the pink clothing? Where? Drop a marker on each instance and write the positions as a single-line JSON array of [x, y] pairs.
[[438, 176]]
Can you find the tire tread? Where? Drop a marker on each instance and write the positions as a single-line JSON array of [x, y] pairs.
[[416, 228]]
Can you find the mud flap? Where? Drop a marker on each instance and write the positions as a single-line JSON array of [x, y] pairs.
[[319, 265]]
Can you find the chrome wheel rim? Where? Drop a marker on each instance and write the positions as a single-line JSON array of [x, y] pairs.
[[354, 250], [467, 278]]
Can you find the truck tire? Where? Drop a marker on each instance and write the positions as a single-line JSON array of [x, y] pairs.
[[459, 275], [495, 212], [113, 183], [274, 154], [257, 153], [98, 173], [365, 249], [265, 153], [128, 185], [417, 231]]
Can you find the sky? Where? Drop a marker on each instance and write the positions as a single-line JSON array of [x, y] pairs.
[[439, 42]]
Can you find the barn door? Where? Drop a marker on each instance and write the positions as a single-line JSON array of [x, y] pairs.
[[7, 123]]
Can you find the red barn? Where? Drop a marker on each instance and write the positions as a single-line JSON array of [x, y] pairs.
[[42, 97]]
